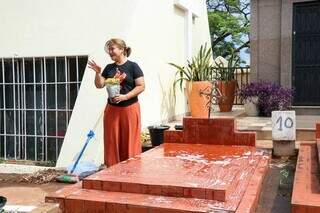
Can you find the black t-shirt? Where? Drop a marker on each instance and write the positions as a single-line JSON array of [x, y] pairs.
[[132, 71]]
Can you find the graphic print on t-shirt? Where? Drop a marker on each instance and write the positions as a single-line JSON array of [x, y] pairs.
[[121, 76]]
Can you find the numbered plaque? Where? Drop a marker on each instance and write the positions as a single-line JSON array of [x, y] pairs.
[[284, 125]]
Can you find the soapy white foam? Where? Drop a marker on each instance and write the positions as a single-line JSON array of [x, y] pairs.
[[160, 200], [193, 158]]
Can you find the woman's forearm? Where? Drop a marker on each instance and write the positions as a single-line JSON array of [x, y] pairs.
[[99, 81], [135, 92]]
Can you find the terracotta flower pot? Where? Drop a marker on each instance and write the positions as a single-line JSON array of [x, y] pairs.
[[228, 89], [197, 102]]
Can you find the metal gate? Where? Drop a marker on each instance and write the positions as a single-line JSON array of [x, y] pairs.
[[37, 96], [306, 53]]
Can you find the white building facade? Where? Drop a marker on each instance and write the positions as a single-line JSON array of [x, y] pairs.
[[48, 101]]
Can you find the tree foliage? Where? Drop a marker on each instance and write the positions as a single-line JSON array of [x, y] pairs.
[[229, 22]]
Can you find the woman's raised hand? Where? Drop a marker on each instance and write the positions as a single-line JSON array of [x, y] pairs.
[[92, 65]]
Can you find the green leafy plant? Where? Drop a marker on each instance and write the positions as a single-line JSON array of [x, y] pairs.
[[198, 69], [229, 25], [226, 73], [271, 96], [212, 94], [284, 174]]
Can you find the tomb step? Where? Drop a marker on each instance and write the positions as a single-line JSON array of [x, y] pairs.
[[60, 195], [74, 199], [268, 144], [301, 134], [306, 187], [86, 200], [306, 110], [191, 176], [115, 184]]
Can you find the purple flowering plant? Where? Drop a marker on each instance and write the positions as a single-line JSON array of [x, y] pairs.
[[271, 96]]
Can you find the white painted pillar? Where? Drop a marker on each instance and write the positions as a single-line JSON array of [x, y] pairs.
[[190, 12], [188, 33]]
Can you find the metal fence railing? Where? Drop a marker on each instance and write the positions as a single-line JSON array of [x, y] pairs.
[[241, 75]]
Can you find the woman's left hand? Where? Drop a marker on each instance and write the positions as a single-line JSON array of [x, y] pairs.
[[118, 98]]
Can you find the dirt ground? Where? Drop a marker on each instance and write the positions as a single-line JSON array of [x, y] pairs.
[[26, 193], [24, 189], [277, 186], [40, 177]]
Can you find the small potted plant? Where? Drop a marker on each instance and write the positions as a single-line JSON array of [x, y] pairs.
[[268, 95], [224, 74], [145, 141], [249, 95], [273, 97], [113, 84]]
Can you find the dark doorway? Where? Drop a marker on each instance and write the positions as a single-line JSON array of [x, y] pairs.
[[306, 53]]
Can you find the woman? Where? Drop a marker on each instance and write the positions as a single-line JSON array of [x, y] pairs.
[[122, 120]]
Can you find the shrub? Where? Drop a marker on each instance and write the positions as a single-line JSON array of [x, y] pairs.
[[271, 96]]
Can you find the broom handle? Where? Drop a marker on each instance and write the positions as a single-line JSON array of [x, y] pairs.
[[89, 136]]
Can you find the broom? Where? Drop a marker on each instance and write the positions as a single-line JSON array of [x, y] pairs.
[[71, 178]]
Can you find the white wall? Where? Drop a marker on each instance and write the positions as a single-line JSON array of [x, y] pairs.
[[154, 29], [163, 36]]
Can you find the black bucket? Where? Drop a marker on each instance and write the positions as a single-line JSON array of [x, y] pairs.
[[156, 134], [178, 127], [3, 202]]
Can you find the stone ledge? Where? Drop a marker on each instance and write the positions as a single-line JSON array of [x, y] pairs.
[[306, 187]]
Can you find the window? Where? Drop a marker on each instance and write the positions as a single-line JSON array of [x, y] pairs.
[[37, 96]]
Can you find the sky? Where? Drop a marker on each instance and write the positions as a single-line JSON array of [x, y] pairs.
[[245, 56]]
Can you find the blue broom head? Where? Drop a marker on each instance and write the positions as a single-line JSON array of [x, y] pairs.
[[90, 134]]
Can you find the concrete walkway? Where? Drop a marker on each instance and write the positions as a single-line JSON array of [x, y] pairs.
[[20, 169], [305, 125], [243, 122]]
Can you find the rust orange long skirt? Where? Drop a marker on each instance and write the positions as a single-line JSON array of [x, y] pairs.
[[122, 126]]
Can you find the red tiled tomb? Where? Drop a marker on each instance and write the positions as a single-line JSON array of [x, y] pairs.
[[221, 170], [306, 187]]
